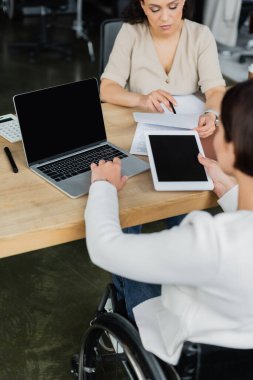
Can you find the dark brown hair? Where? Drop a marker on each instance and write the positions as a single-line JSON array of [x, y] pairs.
[[237, 119], [133, 13]]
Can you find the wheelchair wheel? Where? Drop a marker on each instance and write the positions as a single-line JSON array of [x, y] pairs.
[[127, 358]]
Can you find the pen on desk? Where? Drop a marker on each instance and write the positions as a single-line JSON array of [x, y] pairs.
[[11, 160], [172, 106]]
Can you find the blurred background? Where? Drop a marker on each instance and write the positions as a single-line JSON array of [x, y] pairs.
[[49, 296]]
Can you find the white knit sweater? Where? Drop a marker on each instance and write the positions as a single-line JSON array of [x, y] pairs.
[[205, 266]]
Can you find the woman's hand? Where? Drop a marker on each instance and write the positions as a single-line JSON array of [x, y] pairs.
[[222, 181], [109, 171], [152, 101], [206, 125]]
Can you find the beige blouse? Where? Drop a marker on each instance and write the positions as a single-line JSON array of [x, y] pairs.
[[134, 62]]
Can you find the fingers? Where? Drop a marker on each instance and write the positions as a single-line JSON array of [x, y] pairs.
[[202, 120], [202, 159], [205, 161], [93, 165], [168, 101], [117, 160], [167, 97], [124, 180], [206, 126], [159, 96], [109, 171], [205, 130], [203, 134], [156, 105]]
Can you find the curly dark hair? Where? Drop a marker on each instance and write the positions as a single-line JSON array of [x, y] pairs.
[[133, 13], [237, 120]]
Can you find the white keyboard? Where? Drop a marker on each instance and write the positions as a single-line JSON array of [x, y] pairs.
[[9, 128]]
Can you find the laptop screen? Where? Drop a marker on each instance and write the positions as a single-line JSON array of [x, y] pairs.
[[60, 119]]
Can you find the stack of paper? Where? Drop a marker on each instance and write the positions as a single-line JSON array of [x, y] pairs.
[[188, 109]]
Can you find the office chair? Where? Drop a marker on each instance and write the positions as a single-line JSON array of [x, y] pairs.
[[11, 8], [246, 11], [111, 348], [108, 32], [81, 31], [48, 8]]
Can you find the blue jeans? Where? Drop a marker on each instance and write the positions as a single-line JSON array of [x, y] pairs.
[[135, 292], [174, 220], [170, 222]]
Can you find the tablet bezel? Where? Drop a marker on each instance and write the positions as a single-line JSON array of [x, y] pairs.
[[176, 185]]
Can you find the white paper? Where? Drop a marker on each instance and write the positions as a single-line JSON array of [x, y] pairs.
[[186, 121], [189, 104], [188, 110], [139, 144]]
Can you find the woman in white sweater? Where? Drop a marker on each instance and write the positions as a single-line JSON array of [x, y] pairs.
[[205, 265]]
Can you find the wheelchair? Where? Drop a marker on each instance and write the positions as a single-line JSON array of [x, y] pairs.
[[111, 348]]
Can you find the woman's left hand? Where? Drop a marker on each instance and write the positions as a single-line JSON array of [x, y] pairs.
[[206, 125], [222, 181]]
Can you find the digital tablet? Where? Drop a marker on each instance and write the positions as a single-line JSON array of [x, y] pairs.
[[173, 158]]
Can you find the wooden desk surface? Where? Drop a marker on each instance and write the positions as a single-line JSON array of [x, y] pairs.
[[36, 215]]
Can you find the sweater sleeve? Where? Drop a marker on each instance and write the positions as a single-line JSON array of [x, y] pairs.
[[179, 255], [229, 201]]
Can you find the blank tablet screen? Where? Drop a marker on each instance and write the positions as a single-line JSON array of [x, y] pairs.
[[175, 158]]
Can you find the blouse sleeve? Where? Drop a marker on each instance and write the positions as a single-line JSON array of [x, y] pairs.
[[208, 62], [179, 255], [118, 66]]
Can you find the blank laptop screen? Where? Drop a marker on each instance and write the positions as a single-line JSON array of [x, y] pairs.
[[60, 119]]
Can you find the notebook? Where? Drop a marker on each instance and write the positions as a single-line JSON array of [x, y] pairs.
[[63, 132]]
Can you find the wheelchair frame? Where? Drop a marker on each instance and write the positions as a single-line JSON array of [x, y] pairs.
[[125, 347]]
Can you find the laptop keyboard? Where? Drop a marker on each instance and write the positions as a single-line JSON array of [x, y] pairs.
[[79, 163]]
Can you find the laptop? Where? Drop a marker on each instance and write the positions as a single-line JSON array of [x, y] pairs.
[[63, 132]]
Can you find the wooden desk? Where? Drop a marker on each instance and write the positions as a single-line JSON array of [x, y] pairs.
[[36, 215]]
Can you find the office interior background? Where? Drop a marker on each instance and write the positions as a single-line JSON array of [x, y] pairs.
[[49, 296]]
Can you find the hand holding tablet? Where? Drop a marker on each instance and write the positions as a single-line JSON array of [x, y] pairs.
[[173, 158]]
